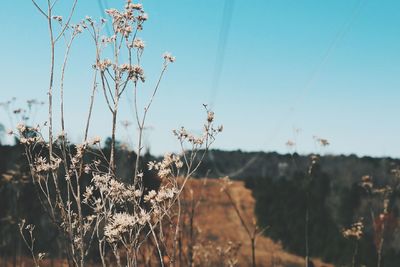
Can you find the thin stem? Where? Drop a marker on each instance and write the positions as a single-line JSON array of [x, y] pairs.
[[40, 9]]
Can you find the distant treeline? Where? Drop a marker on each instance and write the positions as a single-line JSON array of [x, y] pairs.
[[282, 186], [334, 195]]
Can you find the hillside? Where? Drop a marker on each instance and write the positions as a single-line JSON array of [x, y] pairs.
[[217, 221]]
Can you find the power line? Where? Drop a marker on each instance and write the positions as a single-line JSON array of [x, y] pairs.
[[221, 48], [305, 89]]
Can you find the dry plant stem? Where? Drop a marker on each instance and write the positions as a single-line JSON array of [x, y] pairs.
[[50, 90], [175, 241], [157, 245], [251, 234], [141, 123], [116, 101], [95, 37], [101, 246], [380, 246], [69, 44], [91, 105], [64, 153], [110, 205], [355, 254], [68, 20], [307, 214], [66, 212], [40, 10], [190, 171], [30, 244], [306, 236], [43, 204], [194, 206]]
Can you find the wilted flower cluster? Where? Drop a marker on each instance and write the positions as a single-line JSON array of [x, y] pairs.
[[115, 191], [209, 132], [42, 165], [124, 223], [160, 196], [135, 72], [165, 167], [138, 43], [27, 135], [123, 21], [355, 230], [104, 64]]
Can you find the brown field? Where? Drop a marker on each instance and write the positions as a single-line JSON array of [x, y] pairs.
[[217, 225], [217, 221]]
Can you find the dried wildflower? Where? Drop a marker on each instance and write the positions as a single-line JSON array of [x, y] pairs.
[[111, 11], [41, 255], [87, 169], [138, 43], [142, 17], [290, 143], [323, 142], [151, 165], [355, 230], [144, 217], [96, 140], [88, 19], [366, 182], [21, 127], [136, 73], [134, 6], [137, 193], [103, 65], [168, 57], [178, 164], [88, 194], [225, 183], [150, 195], [210, 116], [58, 18], [78, 29]]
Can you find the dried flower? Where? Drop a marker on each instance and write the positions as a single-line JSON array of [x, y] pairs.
[[210, 116], [168, 57], [58, 18], [96, 140], [366, 182], [138, 43], [355, 230]]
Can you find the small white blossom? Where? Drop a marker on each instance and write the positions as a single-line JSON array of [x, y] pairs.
[[21, 127], [138, 43], [168, 57], [150, 195]]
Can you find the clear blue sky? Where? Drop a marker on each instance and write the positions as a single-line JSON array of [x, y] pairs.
[[330, 68]]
